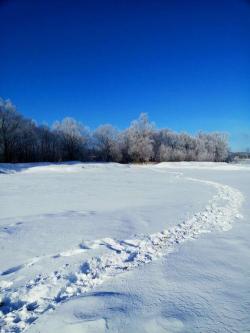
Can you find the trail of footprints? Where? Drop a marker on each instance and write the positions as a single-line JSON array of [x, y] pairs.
[[20, 307]]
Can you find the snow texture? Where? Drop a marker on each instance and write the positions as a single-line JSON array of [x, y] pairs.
[[23, 302]]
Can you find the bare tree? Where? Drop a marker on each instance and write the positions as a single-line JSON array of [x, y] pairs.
[[26, 142], [48, 145], [10, 123], [107, 143], [72, 137]]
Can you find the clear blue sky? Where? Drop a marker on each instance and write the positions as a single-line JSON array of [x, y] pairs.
[[184, 62]]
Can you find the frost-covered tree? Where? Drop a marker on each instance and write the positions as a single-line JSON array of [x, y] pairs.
[[165, 153], [212, 147], [72, 137], [171, 146], [221, 146], [10, 126], [139, 138], [22, 140], [107, 145]]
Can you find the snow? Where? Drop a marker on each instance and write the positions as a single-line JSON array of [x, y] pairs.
[[124, 248], [205, 165]]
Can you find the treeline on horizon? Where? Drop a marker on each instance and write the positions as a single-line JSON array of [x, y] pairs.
[[22, 140]]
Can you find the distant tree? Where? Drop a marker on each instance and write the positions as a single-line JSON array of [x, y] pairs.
[[214, 147], [107, 144], [26, 142], [165, 153], [160, 145], [10, 126], [72, 136], [48, 145], [22, 140], [221, 146], [139, 138]]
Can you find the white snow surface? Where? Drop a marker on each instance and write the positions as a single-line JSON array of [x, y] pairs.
[[124, 248]]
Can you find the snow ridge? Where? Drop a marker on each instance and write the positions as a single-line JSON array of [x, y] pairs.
[[20, 307]]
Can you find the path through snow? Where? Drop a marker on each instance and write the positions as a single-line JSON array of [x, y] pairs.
[[20, 307]]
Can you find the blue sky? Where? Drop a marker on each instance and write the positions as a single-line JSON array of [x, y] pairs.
[[185, 63]]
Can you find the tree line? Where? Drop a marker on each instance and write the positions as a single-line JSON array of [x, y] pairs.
[[22, 140]]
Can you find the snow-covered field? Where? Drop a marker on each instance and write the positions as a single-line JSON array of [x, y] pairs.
[[125, 248]]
